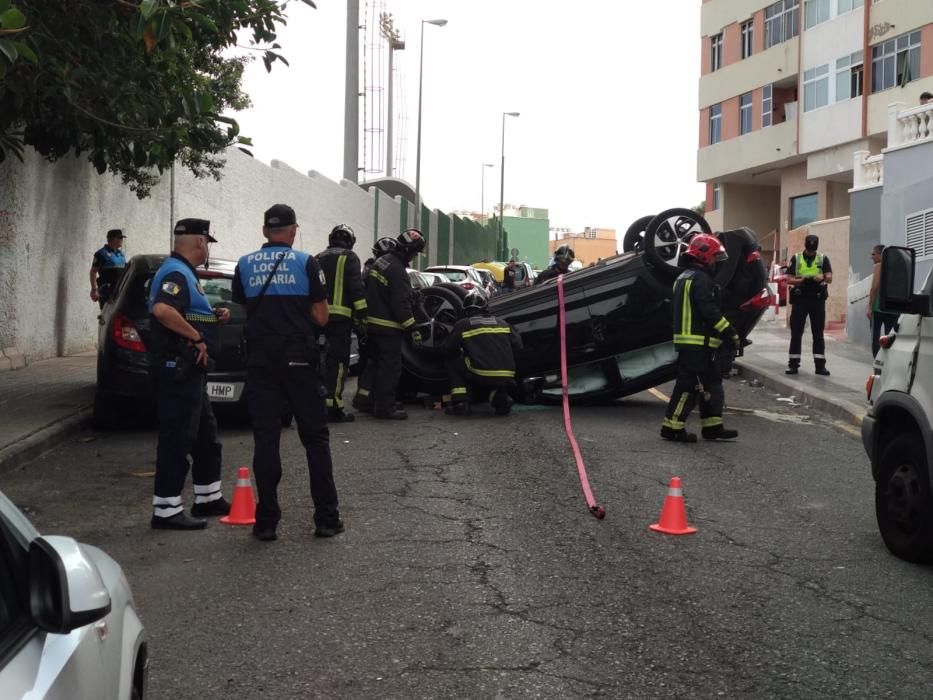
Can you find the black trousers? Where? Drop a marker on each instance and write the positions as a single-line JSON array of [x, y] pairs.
[[338, 334], [699, 378], [462, 380], [384, 369], [186, 427], [299, 386], [803, 308], [881, 324]]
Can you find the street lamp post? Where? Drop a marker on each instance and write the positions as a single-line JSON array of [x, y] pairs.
[[482, 194], [436, 23], [390, 34], [502, 174]]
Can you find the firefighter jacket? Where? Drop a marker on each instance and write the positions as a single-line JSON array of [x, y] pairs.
[[698, 320], [488, 345], [346, 297], [388, 296]]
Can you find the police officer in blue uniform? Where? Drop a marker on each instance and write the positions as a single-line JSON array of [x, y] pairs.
[[285, 295], [107, 266], [184, 335]]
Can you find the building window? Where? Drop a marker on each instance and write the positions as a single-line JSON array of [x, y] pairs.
[[767, 104], [803, 210], [590, 232], [815, 88], [850, 77], [895, 62], [848, 5], [715, 124], [920, 233], [815, 12], [782, 22], [745, 113], [715, 52], [748, 34], [717, 197]]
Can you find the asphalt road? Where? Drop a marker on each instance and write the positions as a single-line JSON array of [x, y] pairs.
[[471, 568]]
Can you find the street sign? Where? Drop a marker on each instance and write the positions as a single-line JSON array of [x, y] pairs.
[[514, 252]]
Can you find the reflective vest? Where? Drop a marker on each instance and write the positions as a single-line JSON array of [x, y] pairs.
[[697, 315], [807, 268], [388, 296], [345, 293]]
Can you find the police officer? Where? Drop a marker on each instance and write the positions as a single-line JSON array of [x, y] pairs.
[[285, 295], [563, 256], [183, 337], [389, 317], [347, 305], [479, 351], [810, 273], [107, 266], [699, 327]]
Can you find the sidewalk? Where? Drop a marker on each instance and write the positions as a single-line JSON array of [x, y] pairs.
[[42, 403], [841, 395]]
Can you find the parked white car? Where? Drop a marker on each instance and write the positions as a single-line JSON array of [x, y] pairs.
[[462, 275], [68, 624]]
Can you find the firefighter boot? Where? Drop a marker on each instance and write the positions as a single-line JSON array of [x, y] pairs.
[[501, 402], [718, 432], [677, 435], [457, 408]]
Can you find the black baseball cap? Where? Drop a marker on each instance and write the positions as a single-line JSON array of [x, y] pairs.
[[194, 227], [115, 233], [279, 215], [926, 96]]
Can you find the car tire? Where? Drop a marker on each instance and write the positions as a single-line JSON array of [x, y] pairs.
[[106, 414], [439, 308], [634, 239], [903, 503], [665, 241]]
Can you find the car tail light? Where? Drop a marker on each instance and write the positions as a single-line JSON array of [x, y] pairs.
[[753, 256], [887, 341], [467, 285], [762, 300], [125, 335], [869, 384]]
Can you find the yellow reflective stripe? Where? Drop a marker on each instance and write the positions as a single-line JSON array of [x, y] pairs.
[[686, 325], [408, 322], [359, 304], [338, 392], [678, 412], [489, 372], [329, 402], [481, 331], [338, 281], [385, 323], [721, 325], [362, 392], [379, 277], [712, 422], [340, 311], [673, 424], [458, 390], [700, 340]]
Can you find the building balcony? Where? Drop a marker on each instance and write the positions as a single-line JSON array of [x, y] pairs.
[[741, 159], [906, 128], [778, 65]]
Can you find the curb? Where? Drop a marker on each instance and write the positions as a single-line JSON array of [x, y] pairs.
[[43, 440], [813, 398]]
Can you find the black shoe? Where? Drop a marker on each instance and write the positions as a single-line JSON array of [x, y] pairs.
[[790, 370], [394, 414], [338, 415], [677, 435], [719, 433], [322, 531], [211, 509], [362, 405], [264, 533], [822, 371], [502, 402], [179, 521], [457, 408]]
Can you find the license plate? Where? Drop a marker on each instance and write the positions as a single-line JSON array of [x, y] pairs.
[[224, 391]]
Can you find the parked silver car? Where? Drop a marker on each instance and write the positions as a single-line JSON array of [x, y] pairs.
[[68, 622]]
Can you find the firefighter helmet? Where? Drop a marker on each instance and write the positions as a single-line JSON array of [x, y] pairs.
[[706, 249], [342, 235]]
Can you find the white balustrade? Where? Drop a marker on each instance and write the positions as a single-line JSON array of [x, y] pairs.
[[907, 127], [868, 170]]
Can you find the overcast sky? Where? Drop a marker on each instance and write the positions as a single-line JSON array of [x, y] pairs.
[[607, 91]]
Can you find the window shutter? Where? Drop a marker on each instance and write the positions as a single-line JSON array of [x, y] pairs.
[[916, 237]]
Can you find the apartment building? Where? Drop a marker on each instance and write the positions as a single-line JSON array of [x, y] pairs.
[[589, 246], [790, 93]]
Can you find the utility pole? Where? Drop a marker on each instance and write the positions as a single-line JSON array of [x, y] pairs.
[[351, 110], [390, 34]]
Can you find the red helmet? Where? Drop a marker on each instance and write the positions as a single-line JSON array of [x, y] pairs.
[[706, 249]]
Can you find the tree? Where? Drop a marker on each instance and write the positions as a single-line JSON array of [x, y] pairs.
[[134, 84], [700, 208]]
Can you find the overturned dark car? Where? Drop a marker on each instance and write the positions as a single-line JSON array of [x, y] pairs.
[[619, 317]]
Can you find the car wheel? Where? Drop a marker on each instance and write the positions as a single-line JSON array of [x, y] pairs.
[[667, 237], [106, 412], [438, 309], [634, 239], [903, 505]]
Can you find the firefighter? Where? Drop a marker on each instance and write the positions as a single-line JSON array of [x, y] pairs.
[[389, 318], [699, 329], [810, 273], [347, 304], [480, 352], [563, 256]]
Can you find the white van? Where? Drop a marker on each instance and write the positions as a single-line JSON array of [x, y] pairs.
[[898, 430]]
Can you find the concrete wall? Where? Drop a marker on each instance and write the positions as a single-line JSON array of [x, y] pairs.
[[864, 230], [908, 188], [530, 236], [754, 206], [834, 243]]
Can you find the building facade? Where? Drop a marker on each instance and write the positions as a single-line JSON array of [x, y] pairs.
[[589, 246], [527, 230], [789, 93]]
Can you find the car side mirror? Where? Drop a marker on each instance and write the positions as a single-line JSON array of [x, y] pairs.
[[896, 288], [66, 590]]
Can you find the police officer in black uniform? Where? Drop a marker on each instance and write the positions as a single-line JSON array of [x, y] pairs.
[[563, 256], [347, 306], [810, 273], [389, 317], [183, 337], [480, 352], [699, 328], [285, 295], [107, 267]]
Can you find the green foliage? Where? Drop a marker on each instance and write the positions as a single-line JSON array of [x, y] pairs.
[[700, 208], [133, 84]]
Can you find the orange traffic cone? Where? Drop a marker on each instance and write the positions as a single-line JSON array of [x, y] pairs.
[[243, 510], [673, 514]]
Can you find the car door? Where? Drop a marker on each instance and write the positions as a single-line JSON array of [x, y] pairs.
[[33, 663]]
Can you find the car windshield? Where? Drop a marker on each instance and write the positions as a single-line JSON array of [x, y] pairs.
[[218, 290], [453, 275]]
